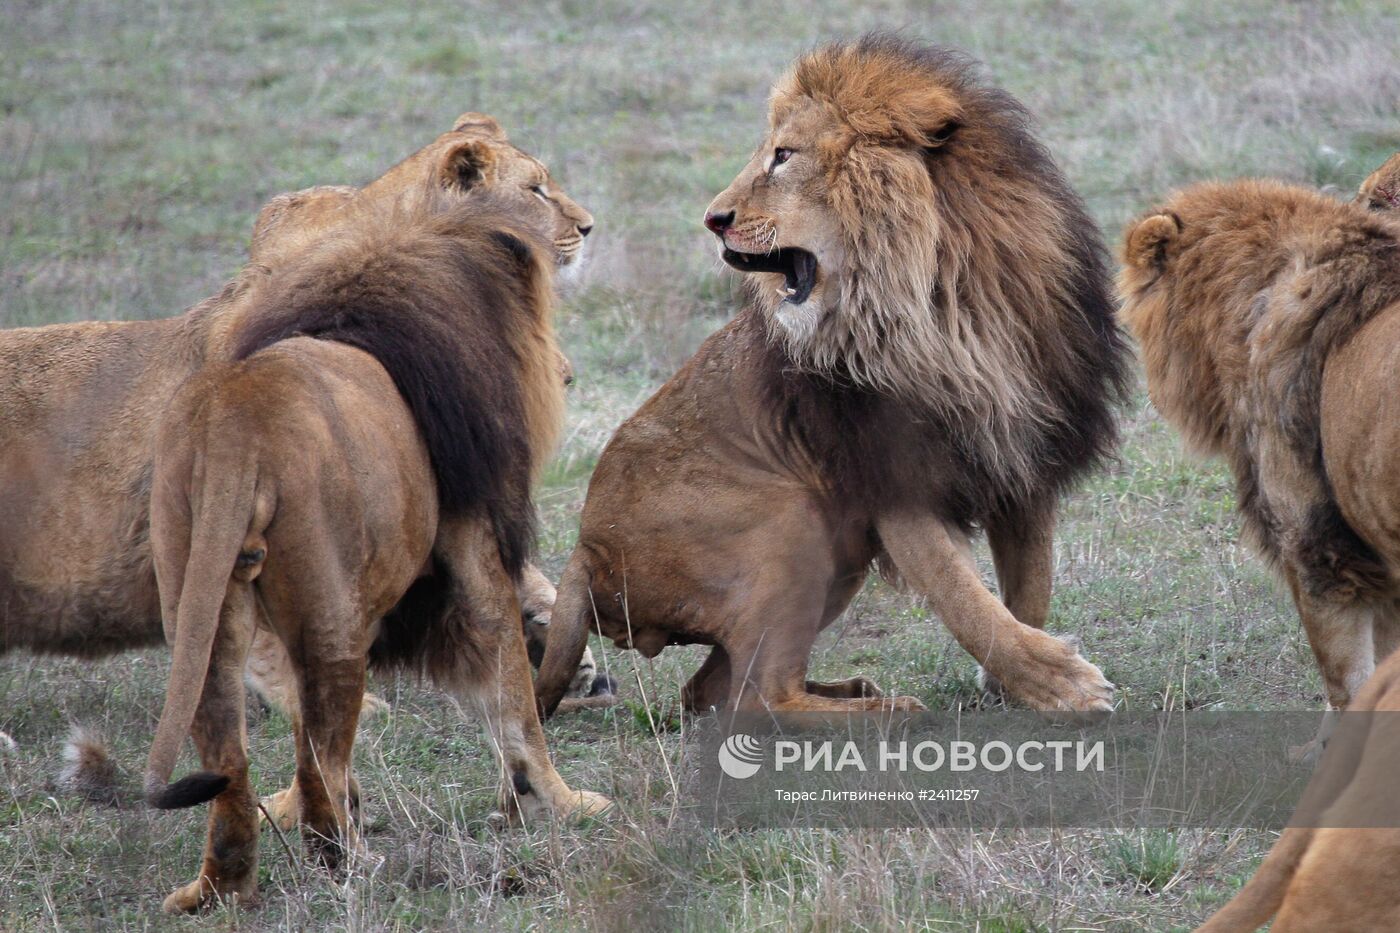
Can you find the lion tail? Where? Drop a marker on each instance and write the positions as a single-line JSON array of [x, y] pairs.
[[223, 508], [568, 634]]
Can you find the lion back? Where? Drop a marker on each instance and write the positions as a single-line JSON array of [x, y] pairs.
[[456, 305]]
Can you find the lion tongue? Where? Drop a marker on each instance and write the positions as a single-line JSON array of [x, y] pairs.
[[802, 277]]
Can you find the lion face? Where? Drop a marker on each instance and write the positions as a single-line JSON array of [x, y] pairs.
[[775, 221], [473, 158], [837, 215]]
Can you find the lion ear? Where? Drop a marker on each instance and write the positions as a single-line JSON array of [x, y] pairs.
[[467, 165], [1146, 244], [472, 122], [1381, 190]]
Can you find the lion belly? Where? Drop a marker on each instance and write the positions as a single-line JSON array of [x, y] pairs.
[[79, 405]]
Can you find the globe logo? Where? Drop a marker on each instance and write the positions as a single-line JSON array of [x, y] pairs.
[[740, 756]]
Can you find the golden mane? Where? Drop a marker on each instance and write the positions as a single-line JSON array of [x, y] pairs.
[[974, 280], [1238, 292]]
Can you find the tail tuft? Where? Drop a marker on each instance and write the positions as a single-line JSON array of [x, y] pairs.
[[89, 771], [191, 790]]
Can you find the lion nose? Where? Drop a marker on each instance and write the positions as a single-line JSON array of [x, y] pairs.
[[585, 229], [719, 222]]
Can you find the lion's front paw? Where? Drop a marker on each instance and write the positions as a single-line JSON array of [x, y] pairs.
[[902, 704], [1054, 676], [200, 895], [281, 809], [373, 705], [588, 804]]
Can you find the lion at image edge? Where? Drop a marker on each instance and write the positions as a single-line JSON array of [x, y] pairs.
[[92, 590], [927, 348], [1269, 320]]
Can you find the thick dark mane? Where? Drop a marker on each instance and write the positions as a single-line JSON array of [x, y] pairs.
[[437, 299], [874, 450], [1006, 388]]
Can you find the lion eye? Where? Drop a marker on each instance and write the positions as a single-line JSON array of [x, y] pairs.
[[539, 190], [780, 156]]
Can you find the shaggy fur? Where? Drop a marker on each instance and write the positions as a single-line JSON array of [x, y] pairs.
[[1244, 297], [88, 769], [458, 324], [978, 297], [315, 516], [945, 359], [1238, 293]]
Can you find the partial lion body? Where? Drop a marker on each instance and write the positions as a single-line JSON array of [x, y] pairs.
[[1340, 877], [79, 405], [76, 433], [927, 349], [1268, 317], [355, 520], [356, 482]]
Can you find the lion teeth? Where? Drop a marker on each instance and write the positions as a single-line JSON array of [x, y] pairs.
[[786, 292]]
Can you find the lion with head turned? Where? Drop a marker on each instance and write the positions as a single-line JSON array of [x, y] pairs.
[[927, 349]]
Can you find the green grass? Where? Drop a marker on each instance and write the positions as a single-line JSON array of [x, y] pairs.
[[138, 139]]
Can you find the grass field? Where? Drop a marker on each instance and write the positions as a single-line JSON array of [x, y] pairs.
[[137, 140]]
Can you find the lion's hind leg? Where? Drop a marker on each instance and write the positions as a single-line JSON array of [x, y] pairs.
[[496, 677], [229, 868], [332, 685], [315, 612], [769, 644]]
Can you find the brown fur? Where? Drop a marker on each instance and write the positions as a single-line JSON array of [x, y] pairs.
[[953, 367], [88, 769], [1336, 877], [1268, 317], [79, 405], [394, 328]]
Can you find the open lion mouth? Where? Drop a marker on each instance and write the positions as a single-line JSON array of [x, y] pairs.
[[799, 269]]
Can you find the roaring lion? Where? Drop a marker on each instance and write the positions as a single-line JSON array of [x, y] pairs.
[[79, 405], [1269, 322], [379, 512], [927, 348]]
